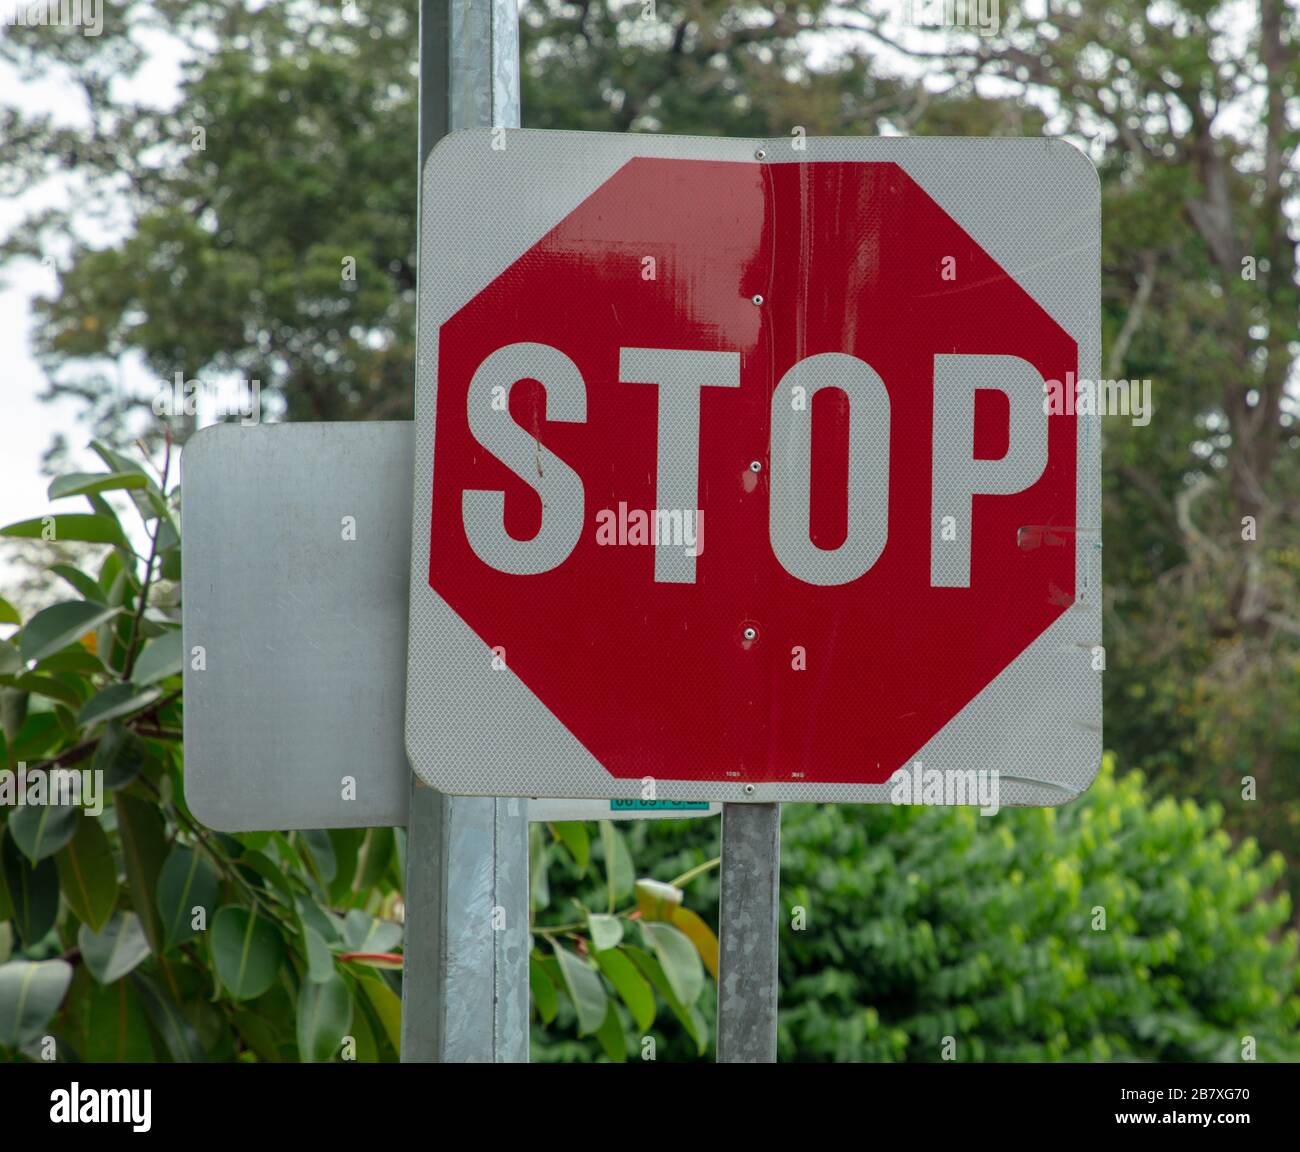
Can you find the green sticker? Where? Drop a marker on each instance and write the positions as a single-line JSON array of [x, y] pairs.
[[658, 806]]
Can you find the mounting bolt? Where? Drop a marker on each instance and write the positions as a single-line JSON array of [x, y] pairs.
[[756, 466], [750, 633], [761, 154], [749, 789], [758, 301]]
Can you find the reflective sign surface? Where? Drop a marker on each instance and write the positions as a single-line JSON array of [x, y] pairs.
[[737, 468]]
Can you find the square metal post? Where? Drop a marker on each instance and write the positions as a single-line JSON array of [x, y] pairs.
[[465, 978]]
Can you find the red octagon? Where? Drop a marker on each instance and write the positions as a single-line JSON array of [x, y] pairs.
[[656, 679]]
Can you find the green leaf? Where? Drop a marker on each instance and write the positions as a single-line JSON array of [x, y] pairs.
[[84, 483], [76, 660], [633, 988], [8, 613], [158, 659], [119, 755], [60, 625], [115, 951], [324, 1014], [80, 582], [247, 950], [585, 990], [178, 1034], [30, 995], [107, 1025], [365, 933], [322, 851], [606, 931], [545, 999], [699, 934], [387, 1006], [40, 830], [187, 881], [320, 960], [13, 714], [611, 1037], [115, 460], [324, 924], [144, 848], [539, 887], [89, 528], [114, 702], [33, 892], [573, 835], [87, 874], [688, 1015], [51, 688], [11, 664], [619, 874], [678, 958]]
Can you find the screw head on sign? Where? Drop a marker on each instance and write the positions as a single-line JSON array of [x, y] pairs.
[[758, 301], [749, 789], [756, 466], [761, 154], [750, 633]]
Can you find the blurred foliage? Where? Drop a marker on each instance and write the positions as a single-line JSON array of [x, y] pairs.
[[903, 926]]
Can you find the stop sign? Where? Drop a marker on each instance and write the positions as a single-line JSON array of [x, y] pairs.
[[735, 476]]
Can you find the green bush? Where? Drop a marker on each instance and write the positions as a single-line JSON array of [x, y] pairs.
[[927, 923]]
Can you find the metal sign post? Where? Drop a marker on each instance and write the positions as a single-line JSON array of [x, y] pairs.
[[465, 981], [748, 930]]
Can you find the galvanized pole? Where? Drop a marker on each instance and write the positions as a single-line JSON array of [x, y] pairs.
[[465, 979], [748, 921]]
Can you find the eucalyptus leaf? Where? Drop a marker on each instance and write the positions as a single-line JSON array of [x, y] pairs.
[[178, 1034], [114, 702], [324, 1015], [144, 848], [633, 988], [86, 528], [585, 989], [87, 874], [87, 586], [83, 483], [606, 931], [545, 999], [247, 950], [187, 881], [40, 830], [30, 995], [11, 663], [33, 891], [59, 625], [117, 950], [158, 659], [678, 958]]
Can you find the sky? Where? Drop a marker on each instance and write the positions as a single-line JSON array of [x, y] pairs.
[[28, 425]]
